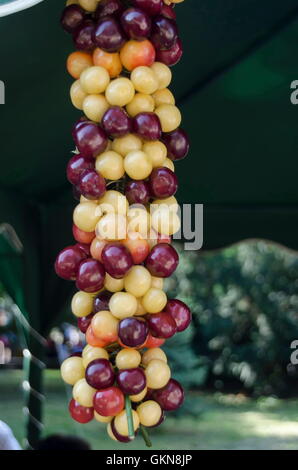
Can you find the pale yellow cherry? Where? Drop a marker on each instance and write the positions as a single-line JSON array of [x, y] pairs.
[[141, 103], [120, 92], [94, 107], [165, 221], [114, 202], [110, 432], [157, 374], [113, 285], [77, 95], [140, 309], [94, 353], [84, 199], [149, 413], [157, 282], [171, 202], [138, 220], [111, 227], [154, 300], [86, 349], [137, 165], [153, 353], [156, 151], [168, 163], [128, 359], [72, 2], [127, 143], [123, 305], [121, 424], [105, 326], [86, 216], [94, 79], [144, 80], [163, 74], [137, 281], [89, 5], [110, 164], [102, 419], [83, 393], [82, 304], [72, 370], [164, 96], [139, 397], [169, 116]]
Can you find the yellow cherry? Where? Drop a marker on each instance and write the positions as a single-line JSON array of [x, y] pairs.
[[128, 359], [139, 397], [144, 80], [110, 165], [110, 432], [93, 353], [113, 285], [153, 353], [105, 326], [112, 227], [102, 419], [171, 202], [123, 305], [163, 74], [86, 216], [121, 424], [88, 5], [168, 163], [137, 165], [137, 281], [156, 151], [127, 143], [165, 221], [82, 304], [149, 413], [157, 282], [120, 92], [72, 370], [141, 103], [113, 202], [94, 107], [83, 393], [77, 95], [157, 374], [164, 96], [140, 309], [138, 220], [169, 116], [154, 300], [95, 79]]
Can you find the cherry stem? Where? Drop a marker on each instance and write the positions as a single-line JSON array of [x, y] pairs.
[[145, 436], [128, 410]]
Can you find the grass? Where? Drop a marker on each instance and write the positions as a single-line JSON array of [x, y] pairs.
[[217, 421]]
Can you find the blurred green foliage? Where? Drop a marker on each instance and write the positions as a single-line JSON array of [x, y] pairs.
[[245, 316]]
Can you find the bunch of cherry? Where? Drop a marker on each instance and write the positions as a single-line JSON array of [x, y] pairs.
[[123, 176]]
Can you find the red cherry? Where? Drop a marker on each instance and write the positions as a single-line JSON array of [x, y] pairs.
[[82, 237], [109, 401], [153, 342], [80, 413]]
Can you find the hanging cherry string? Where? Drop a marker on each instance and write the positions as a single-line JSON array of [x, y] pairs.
[[123, 174]]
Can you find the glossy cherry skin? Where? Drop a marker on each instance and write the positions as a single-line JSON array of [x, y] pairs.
[[85, 247], [108, 34], [170, 397], [170, 56], [164, 33], [147, 126], [131, 381], [116, 122], [108, 402], [177, 143], [85, 322], [117, 260], [101, 301], [68, 262], [90, 276], [152, 7], [92, 184], [90, 139], [81, 414], [83, 36], [180, 312], [162, 260], [133, 332], [82, 237], [137, 192], [153, 342], [161, 420], [72, 17], [119, 437], [162, 325], [100, 374], [163, 183], [136, 23], [76, 166], [109, 8], [168, 12]]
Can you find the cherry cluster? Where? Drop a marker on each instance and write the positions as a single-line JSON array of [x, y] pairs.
[[123, 176]]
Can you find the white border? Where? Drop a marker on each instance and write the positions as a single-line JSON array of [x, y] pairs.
[[16, 6]]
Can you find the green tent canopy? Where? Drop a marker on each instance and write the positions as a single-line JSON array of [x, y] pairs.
[[233, 86]]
